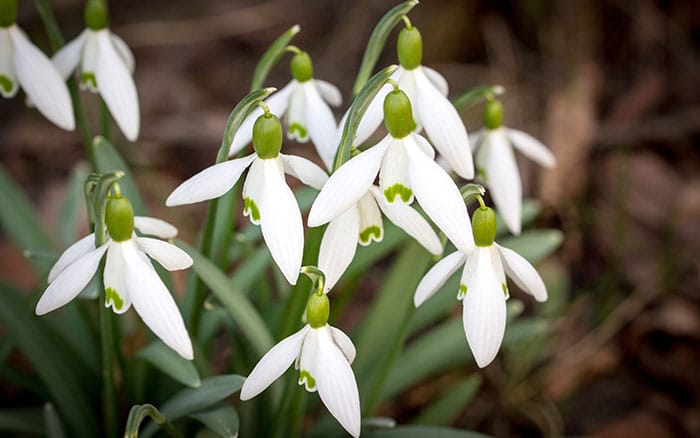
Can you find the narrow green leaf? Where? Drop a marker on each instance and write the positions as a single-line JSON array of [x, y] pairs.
[[531, 209], [377, 41], [446, 409], [54, 426], [169, 362], [477, 94], [108, 159], [271, 57], [422, 432], [138, 413], [73, 204], [27, 421], [379, 423], [221, 419], [535, 245]]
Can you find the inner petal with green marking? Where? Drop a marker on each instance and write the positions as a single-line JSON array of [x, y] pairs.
[[371, 233], [88, 80], [112, 298], [400, 190], [462, 291], [7, 84], [306, 379], [505, 290], [250, 208], [297, 131]]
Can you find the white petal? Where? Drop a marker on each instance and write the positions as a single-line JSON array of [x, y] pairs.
[[344, 342], [210, 183], [9, 86], [41, 81], [373, 117], [116, 290], [502, 177], [67, 59], [169, 256], [253, 190], [393, 175], [338, 246], [371, 227], [297, 113], [336, 383], [439, 197], [68, 284], [475, 140], [277, 103], [407, 84], [71, 254], [532, 148], [443, 126], [412, 222], [304, 170], [280, 220], [116, 86], [523, 273], [330, 92], [436, 277], [306, 363], [154, 303], [88, 62], [320, 122], [425, 146], [155, 227], [347, 184], [468, 273], [273, 364], [124, 51], [436, 79], [484, 312]]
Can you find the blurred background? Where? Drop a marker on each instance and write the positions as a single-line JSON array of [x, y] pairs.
[[612, 87]]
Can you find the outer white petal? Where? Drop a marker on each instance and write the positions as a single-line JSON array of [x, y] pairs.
[[273, 364], [329, 92], [523, 273], [443, 126], [210, 183], [502, 177], [115, 279], [68, 284], [425, 146], [71, 254], [304, 170], [409, 220], [155, 227], [393, 175], [344, 342], [338, 246], [153, 302], [336, 383], [41, 81], [436, 79], [116, 85], [124, 51], [407, 83], [67, 59], [277, 103], [475, 140], [169, 256], [373, 117], [436, 277], [532, 148], [439, 197], [371, 227], [347, 184], [7, 68], [280, 221], [321, 124], [484, 312]]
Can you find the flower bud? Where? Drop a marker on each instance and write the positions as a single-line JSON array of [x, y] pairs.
[[267, 136], [317, 310], [493, 114], [484, 226], [302, 67], [398, 116], [8, 12], [119, 217], [410, 48], [96, 14]]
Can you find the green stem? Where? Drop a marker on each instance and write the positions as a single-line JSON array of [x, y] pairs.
[[106, 121], [107, 337]]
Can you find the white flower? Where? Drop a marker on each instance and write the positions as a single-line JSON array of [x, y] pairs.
[[268, 200], [323, 356], [129, 278], [494, 156], [23, 64], [106, 65]]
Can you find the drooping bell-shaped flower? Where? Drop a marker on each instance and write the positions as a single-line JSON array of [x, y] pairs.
[[483, 289], [304, 104], [105, 64], [268, 200], [22, 64], [129, 277]]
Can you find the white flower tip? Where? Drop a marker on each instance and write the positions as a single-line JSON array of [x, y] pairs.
[[186, 351], [483, 360], [41, 308], [295, 29], [271, 90], [417, 301]]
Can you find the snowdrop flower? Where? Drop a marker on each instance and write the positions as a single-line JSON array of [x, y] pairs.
[[322, 354], [106, 65], [497, 166], [307, 115], [483, 288], [268, 200], [23, 64], [404, 162], [129, 277], [426, 89]]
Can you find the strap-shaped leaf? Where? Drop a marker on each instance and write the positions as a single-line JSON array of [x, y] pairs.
[[169, 362], [477, 94], [271, 57]]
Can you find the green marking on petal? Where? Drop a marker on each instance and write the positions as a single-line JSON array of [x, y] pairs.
[[113, 297], [505, 290], [462, 291], [298, 131], [250, 208], [6, 83], [88, 80], [398, 190], [481, 174], [369, 233], [305, 378]]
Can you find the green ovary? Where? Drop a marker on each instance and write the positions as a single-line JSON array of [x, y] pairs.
[[111, 296], [305, 376], [89, 80], [298, 131], [6, 83], [398, 190], [251, 208], [367, 233], [462, 291]]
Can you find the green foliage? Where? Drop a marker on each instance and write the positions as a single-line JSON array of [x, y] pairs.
[[170, 363], [271, 56]]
